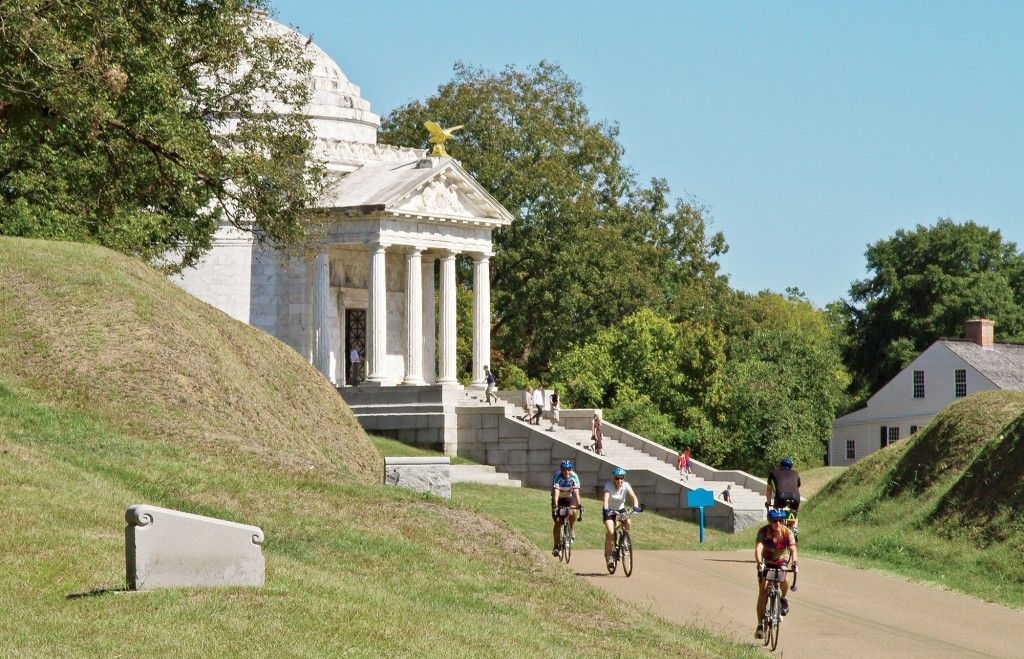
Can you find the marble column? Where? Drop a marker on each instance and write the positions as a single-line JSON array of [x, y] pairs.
[[340, 368], [429, 320], [481, 316], [321, 315], [414, 316], [376, 316], [447, 324]]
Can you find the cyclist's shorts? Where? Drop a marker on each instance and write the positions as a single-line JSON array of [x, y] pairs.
[[611, 515], [775, 572], [782, 502], [563, 502]]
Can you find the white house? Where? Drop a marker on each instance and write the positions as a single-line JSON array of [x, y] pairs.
[[368, 289], [946, 371]]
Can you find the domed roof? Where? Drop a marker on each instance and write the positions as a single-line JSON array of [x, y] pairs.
[[336, 110]]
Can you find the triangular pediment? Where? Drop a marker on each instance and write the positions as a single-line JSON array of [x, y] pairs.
[[450, 193], [437, 188]]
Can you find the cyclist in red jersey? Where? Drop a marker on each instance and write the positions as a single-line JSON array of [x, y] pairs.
[[774, 541]]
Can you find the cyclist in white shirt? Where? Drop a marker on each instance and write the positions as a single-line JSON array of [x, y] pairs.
[[615, 494]]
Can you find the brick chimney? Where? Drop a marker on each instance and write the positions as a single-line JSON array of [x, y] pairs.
[[980, 331]]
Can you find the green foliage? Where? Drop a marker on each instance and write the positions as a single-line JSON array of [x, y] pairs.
[[115, 117], [582, 224], [786, 382], [924, 284], [510, 376], [658, 378]]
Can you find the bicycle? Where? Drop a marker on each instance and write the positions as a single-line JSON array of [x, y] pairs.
[[566, 542], [772, 620], [623, 550]]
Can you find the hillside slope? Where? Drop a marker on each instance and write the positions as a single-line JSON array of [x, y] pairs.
[[96, 331], [945, 505], [118, 388]]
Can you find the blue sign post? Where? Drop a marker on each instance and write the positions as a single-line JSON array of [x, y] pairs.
[[700, 498]]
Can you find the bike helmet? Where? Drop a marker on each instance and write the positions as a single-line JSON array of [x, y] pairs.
[[774, 514], [566, 464], [786, 463], [619, 471]]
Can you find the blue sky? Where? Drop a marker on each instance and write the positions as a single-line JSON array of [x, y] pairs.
[[808, 129]]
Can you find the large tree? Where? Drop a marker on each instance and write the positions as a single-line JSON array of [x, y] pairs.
[[588, 245], [923, 285], [144, 125]]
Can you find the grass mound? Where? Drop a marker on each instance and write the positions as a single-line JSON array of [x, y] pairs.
[[101, 333], [951, 495], [118, 388]]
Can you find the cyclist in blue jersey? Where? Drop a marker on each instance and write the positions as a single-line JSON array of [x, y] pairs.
[[565, 493]]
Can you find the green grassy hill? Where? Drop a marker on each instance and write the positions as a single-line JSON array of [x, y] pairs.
[[118, 388], [945, 505]]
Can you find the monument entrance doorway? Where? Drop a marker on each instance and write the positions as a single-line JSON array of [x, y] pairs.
[[355, 345]]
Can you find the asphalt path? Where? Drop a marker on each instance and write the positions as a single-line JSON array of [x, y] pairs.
[[836, 612]]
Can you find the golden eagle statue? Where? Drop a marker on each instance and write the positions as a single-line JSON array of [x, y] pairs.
[[438, 136]]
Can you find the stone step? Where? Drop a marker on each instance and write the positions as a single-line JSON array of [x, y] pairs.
[[484, 474]]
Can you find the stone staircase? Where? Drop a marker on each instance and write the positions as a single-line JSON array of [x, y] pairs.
[[636, 454], [484, 474], [459, 422]]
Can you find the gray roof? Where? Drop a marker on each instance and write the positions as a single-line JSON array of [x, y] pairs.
[[1003, 363], [385, 186]]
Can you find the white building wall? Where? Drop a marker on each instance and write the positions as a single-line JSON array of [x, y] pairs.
[[894, 404], [222, 277]]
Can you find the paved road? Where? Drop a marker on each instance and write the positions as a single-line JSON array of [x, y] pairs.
[[836, 612]]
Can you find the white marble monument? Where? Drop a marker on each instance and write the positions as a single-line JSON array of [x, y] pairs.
[[393, 213], [171, 549]]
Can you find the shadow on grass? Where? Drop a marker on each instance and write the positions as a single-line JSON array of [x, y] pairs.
[[96, 592], [593, 574]]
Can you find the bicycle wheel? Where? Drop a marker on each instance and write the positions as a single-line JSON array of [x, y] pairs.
[[563, 554], [766, 621], [626, 554], [775, 615]]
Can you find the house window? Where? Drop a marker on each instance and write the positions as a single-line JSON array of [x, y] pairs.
[[894, 433], [851, 449], [960, 377], [918, 384], [883, 437], [913, 429]]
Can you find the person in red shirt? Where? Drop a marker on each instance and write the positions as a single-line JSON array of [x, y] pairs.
[[683, 464]]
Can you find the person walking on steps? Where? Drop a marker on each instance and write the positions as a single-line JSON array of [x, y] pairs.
[[538, 404], [596, 434], [554, 410], [491, 386], [726, 494]]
